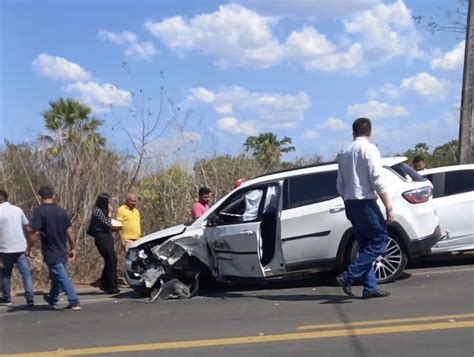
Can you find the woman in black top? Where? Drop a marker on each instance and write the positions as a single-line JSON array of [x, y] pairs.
[[100, 228]]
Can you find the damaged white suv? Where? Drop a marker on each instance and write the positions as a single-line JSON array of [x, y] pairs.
[[284, 223]]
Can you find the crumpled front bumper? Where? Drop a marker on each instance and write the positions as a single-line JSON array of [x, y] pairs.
[[164, 269]]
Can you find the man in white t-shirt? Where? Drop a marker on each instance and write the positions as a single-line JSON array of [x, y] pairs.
[[13, 244]]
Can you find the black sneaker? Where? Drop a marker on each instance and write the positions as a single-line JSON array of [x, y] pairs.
[[377, 294], [73, 307], [5, 302], [345, 284], [30, 303]]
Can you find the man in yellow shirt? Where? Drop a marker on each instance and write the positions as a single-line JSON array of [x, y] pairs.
[[129, 215]]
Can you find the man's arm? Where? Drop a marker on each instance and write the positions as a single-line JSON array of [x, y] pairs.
[[340, 181], [71, 237], [119, 217], [388, 207], [195, 211], [27, 233], [35, 234], [123, 241], [34, 237], [376, 174]]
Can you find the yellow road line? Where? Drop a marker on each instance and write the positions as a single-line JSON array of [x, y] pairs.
[[385, 322], [250, 339]]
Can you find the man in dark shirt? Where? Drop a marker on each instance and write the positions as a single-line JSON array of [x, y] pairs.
[[52, 225]]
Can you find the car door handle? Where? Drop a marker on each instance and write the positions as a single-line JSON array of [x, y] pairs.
[[337, 209], [246, 233]]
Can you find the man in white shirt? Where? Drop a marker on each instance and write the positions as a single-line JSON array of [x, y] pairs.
[[13, 229], [360, 182]]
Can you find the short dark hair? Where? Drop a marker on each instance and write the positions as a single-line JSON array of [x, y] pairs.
[[204, 191], [46, 192], [361, 127], [417, 159], [4, 194]]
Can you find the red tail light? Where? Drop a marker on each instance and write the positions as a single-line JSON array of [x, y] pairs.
[[419, 195]]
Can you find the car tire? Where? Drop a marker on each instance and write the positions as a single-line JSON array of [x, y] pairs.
[[389, 265]]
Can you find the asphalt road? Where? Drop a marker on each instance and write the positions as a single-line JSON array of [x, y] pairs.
[[430, 313]]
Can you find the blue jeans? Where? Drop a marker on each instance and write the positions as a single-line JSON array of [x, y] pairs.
[[60, 280], [9, 261], [370, 232]]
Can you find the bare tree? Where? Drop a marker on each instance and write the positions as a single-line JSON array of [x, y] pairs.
[[451, 20], [150, 126]]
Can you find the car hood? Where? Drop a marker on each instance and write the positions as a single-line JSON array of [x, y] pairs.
[[168, 232]]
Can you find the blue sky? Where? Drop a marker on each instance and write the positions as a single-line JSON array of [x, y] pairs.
[[301, 68]]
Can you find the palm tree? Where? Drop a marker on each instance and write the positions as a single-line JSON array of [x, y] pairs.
[[445, 155], [70, 122], [267, 149], [422, 148]]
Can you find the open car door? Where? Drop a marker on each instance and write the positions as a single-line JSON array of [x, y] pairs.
[[234, 232]]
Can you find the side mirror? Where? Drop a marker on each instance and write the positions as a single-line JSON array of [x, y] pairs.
[[212, 220]]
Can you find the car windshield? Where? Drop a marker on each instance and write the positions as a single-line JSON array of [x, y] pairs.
[[407, 172]]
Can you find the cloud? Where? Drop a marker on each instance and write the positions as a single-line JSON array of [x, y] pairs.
[[201, 95], [238, 36], [269, 109], [387, 90], [141, 51], [101, 98], [123, 38], [309, 8], [135, 49], [375, 109], [387, 31], [224, 109], [317, 53], [59, 68], [190, 136], [424, 84], [232, 126], [450, 60], [310, 134], [334, 124]]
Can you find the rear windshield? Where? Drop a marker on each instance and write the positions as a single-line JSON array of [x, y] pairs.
[[407, 172]]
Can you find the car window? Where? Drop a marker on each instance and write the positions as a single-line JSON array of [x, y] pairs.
[[243, 207], [308, 189], [407, 172], [438, 183], [459, 182]]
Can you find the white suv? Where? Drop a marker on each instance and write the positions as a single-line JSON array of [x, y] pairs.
[[283, 223], [453, 195]]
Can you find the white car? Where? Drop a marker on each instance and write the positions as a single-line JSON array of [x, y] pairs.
[[285, 223], [453, 195]]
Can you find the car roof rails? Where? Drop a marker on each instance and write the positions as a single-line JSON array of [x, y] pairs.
[[297, 168]]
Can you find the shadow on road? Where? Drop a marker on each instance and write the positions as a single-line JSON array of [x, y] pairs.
[[442, 260], [325, 299], [314, 280]]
